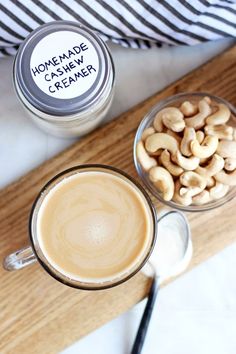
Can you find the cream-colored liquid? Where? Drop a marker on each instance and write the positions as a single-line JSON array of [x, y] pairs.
[[94, 226]]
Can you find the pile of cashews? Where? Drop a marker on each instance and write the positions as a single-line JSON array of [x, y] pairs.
[[189, 152]]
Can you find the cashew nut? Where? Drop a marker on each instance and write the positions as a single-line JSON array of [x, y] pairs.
[[170, 166], [189, 135], [157, 123], [226, 148], [221, 131], [145, 160], [210, 182], [188, 108], [184, 200], [161, 141], [201, 198], [200, 136], [208, 147], [163, 180], [190, 191], [147, 132], [175, 135], [230, 164], [214, 166], [226, 178], [167, 113], [221, 116], [198, 120], [218, 191], [194, 182], [234, 134], [174, 119], [207, 99], [187, 163], [192, 179]]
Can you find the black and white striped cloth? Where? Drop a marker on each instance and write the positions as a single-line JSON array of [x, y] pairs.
[[131, 23]]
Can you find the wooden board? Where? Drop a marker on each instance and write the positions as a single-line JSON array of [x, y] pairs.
[[39, 315]]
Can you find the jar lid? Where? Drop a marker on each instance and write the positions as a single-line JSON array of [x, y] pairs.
[[62, 68]]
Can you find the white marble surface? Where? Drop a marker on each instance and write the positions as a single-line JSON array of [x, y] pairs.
[[196, 313]]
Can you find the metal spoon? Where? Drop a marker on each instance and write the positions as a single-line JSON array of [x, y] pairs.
[[173, 268]]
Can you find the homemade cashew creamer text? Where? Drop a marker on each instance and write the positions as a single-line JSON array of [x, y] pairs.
[[189, 152], [53, 69]]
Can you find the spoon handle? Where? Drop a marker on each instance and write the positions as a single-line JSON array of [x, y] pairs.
[[143, 326]]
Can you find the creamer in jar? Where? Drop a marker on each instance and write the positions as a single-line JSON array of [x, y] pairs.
[[64, 76]]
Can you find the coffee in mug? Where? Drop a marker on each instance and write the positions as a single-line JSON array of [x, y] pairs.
[[91, 227], [94, 226]]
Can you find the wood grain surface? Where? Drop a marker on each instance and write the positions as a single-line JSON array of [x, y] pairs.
[[40, 315]]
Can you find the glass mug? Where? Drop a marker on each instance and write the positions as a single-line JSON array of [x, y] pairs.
[[34, 252]]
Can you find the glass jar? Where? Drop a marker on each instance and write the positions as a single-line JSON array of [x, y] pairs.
[[64, 76]]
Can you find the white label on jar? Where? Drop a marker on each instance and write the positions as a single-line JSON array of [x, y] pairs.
[[64, 64]]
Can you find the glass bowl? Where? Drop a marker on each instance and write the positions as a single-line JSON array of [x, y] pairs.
[[147, 121]]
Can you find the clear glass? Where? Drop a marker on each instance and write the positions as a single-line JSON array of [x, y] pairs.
[[28, 255], [147, 121], [75, 125], [19, 259]]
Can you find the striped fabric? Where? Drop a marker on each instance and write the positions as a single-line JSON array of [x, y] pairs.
[[131, 23]]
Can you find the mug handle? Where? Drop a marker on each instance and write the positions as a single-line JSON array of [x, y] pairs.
[[19, 259]]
